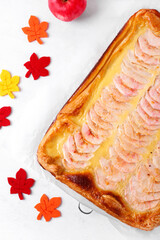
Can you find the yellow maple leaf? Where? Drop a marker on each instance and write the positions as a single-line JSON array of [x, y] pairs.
[[8, 84]]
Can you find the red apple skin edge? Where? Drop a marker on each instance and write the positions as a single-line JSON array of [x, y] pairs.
[[67, 10]]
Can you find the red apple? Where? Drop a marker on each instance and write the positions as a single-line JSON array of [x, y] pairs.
[[67, 10]]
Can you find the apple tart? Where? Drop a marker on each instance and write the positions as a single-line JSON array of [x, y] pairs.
[[105, 142]]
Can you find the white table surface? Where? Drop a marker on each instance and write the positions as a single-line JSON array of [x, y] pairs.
[[74, 48]]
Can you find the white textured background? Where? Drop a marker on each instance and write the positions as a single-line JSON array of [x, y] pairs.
[[74, 48]]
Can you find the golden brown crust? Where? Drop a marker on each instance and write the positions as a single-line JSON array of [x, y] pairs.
[[83, 183]]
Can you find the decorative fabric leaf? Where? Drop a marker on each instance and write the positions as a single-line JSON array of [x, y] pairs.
[[4, 112], [8, 84], [21, 184], [55, 202], [36, 66], [37, 30], [47, 208]]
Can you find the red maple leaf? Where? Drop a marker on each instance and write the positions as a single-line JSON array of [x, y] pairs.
[[36, 66], [21, 184], [4, 112], [47, 208]]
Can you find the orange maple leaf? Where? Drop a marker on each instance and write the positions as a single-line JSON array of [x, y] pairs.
[[47, 208], [36, 30]]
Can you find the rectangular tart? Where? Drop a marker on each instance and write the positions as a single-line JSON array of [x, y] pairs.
[[105, 141]]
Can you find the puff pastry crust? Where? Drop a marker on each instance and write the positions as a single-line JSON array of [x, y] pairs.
[[100, 170]]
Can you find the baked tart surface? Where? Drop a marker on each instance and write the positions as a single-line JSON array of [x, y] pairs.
[[105, 142]]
